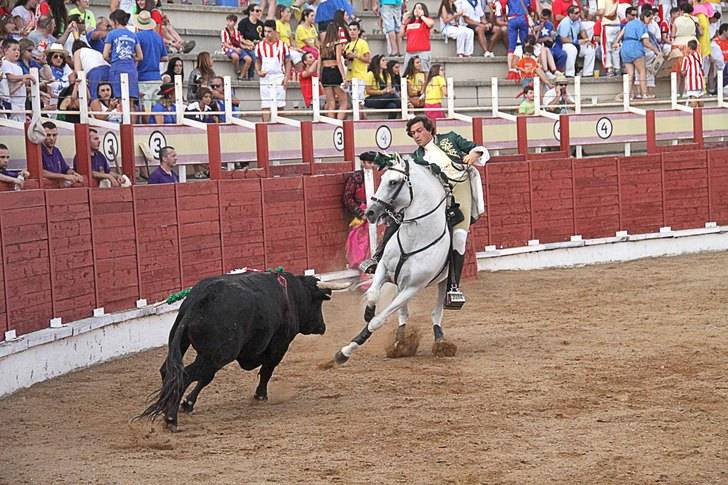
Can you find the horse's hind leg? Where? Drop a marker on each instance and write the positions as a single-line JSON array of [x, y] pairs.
[[202, 371], [401, 299], [438, 311], [403, 318]]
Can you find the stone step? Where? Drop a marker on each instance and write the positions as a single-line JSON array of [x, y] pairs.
[[467, 94]]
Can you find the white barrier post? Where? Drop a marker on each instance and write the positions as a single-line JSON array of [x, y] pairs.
[[369, 191], [316, 99], [625, 92], [228, 98], [537, 95], [450, 98], [125, 102], [35, 93], [404, 97], [83, 96], [494, 95], [355, 83], [719, 89], [178, 99], [274, 106], [577, 94], [673, 89]]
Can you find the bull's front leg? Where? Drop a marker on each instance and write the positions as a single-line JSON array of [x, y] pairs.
[[272, 358]]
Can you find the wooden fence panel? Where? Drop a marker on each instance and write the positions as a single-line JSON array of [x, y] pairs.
[[327, 222], [26, 259], [509, 213], [686, 189], [157, 240], [596, 197], [552, 200], [199, 217], [112, 213], [284, 223], [641, 188], [241, 221], [718, 179]]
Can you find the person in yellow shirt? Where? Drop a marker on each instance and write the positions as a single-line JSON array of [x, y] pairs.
[[415, 82], [283, 27], [358, 55], [435, 91], [306, 34]]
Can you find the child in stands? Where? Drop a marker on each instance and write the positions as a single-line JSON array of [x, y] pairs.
[[435, 91], [692, 71], [231, 44], [310, 71]]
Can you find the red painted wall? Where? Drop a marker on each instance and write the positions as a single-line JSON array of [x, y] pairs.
[[110, 247]]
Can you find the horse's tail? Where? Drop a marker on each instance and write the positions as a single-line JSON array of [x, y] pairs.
[[170, 394]]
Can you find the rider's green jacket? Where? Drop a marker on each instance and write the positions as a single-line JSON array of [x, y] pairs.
[[456, 147]]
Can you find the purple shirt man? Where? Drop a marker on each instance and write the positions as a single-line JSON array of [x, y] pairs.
[[55, 167], [160, 176], [164, 174], [53, 160]]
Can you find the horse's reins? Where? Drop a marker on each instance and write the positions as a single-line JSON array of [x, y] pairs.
[[389, 208]]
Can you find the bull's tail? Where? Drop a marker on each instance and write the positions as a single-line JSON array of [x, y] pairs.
[[173, 383]]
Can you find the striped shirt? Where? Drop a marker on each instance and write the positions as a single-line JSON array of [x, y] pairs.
[[230, 39], [272, 56], [692, 69]]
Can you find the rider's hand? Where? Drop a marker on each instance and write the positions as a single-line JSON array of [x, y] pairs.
[[471, 158]]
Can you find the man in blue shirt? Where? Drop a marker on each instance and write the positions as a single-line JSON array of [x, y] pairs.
[[55, 167], [97, 36], [15, 177], [154, 52], [164, 174], [575, 44]]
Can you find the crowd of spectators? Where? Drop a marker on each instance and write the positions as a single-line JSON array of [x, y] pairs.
[[273, 43]]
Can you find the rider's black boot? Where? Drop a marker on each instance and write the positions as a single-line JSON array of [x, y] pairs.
[[454, 298], [370, 265]]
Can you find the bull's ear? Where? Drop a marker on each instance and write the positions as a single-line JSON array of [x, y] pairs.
[[326, 297], [325, 294]]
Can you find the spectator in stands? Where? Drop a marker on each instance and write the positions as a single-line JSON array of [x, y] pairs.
[[251, 31], [55, 167], [394, 73], [635, 40], [97, 37], [166, 106], [57, 10], [42, 35], [528, 68], [306, 34], [332, 74], [391, 12], [310, 70], [498, 21], [200, 110], [5, 8], [124, 5], [165, 174], [105, 107], [25, 9], [26, 60], [217, 86], [200, 76], [560, 9], [175, 67], [684, 27], [452, 26], [15, 177], [273, 65], [518, 16], [154, 53], [92, 62], [77, 29], [435, 92], [285, 34], [416, 31], [82, 9], [122, 51], [558, 99], [231, 45], [606, 31], [100, 171], [337, 12], [68, 101], [702, 12], [692, 71], [719, 57], [474, 17], [358, 56], [576, 44], [528, 105], [379, 90], [416, 78], [62, 73], [16, 81]]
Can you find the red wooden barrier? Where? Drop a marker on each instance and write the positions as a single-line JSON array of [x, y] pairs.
[[27, 269], [552, 199], [115, 248], [71, 253], [509, 203], [284, 223], [641, 193], [241, 221], [718, 185], [326, 222], [685, 189], [596, 197]]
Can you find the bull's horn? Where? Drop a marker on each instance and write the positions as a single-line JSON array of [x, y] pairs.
[[331, 285]]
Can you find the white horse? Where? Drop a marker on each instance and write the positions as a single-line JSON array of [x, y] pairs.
[[416, 256]]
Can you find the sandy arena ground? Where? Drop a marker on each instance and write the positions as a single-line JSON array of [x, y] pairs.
[[609, 374]]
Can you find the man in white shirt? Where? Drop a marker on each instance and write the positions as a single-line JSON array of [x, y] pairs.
[[273, 64]]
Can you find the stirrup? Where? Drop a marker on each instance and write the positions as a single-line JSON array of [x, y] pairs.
[[454, 299], [368, 266]]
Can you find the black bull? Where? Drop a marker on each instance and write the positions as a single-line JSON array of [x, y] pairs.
[[249, 317]]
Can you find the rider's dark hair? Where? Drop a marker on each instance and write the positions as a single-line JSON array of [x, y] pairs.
[[426, 123]]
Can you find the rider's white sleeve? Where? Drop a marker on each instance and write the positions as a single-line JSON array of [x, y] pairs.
[[484, 155]]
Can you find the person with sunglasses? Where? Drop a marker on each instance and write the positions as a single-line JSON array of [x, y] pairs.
[[217, 86], [56, 57], [251, 31]]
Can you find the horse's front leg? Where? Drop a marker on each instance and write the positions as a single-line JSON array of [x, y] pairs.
[[374, 291], [441, 347], [403, 318], [377, 321]]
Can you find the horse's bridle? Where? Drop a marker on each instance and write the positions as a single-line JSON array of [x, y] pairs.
[[389, 207]]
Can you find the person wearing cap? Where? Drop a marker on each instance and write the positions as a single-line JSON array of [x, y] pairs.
[[154, 52], [63, 75], [558, 99], [165, 106]]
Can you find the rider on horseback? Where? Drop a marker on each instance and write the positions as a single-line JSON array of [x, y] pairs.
[[454, 155]]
